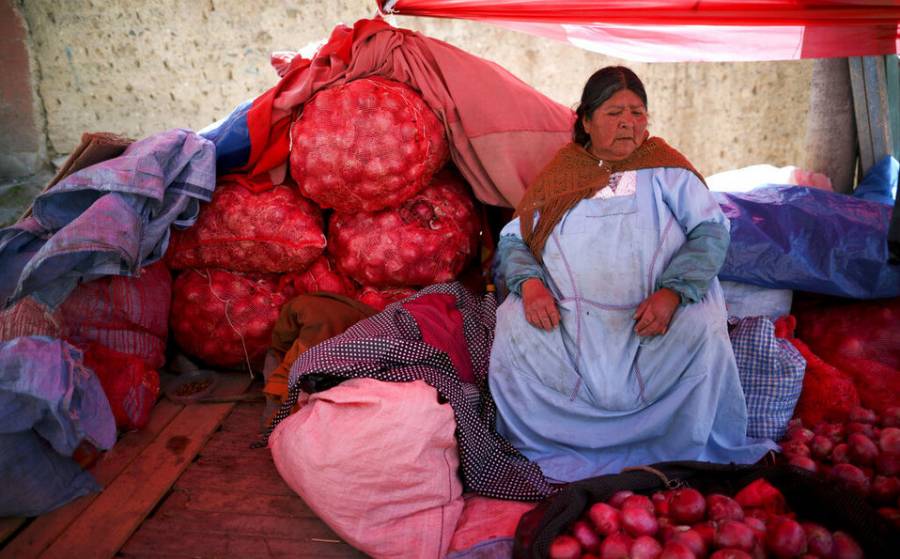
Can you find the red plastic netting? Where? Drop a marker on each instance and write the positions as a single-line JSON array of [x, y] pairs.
[[225, 318], [272, 231], [366, 145], [828, 392], [429, 239], [320, 276], [861, 338], [380, 298], [130, 385], [127, 314]]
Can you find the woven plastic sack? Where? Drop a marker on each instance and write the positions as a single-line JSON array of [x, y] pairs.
[[380, 298], [320, 276], [127, 314], [28, 317], [272, 231], [810, 497], [378, 462], [225, 318], [366, 145], [771, 372], [130, 385], [486, 528], [429, 239]]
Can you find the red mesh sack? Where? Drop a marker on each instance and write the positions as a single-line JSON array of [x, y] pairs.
[[272, 231], [380, 298], [853, 329], [366, 145], [29, 318], [130, 385], [225, 318], [828, 393], [320, 276], [427, 240], [127, 314], [861, 338]]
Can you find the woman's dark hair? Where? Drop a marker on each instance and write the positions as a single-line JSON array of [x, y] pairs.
[[605, 83]]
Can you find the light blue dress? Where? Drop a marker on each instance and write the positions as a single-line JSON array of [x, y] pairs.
[[592, 397]]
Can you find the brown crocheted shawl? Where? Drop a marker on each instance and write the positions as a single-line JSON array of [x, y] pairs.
[[575, 174]]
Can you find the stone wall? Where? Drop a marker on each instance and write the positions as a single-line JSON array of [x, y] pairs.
[[139, 67]]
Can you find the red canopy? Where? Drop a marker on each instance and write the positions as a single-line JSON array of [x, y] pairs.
[[682, 30]]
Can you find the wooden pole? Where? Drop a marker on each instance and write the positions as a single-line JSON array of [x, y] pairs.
[[831, 146]]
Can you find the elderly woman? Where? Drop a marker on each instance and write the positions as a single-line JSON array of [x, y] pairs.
[[612, 349]]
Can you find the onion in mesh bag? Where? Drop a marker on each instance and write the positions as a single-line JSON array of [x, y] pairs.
[[127, 314], [366, 145], [273, 231], [216, 314], [320, 276], [429, 239]]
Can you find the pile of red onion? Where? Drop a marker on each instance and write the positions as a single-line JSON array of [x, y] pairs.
[[686, 524], [863, 454]]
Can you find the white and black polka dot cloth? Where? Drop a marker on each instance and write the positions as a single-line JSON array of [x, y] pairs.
[[389, 347]]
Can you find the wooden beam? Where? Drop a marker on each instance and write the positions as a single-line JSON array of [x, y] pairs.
[[870, 103], [892, 76], [104, 527]]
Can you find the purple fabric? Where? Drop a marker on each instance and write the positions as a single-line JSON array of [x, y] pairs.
[[109, 218]]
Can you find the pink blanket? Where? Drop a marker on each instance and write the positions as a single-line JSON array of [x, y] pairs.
[[501, 131]]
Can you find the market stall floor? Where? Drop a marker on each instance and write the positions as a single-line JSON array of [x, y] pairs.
[[187, 485]]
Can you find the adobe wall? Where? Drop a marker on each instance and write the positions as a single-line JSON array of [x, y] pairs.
[[140, 67]]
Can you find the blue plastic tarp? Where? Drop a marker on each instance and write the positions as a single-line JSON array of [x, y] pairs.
[[794, 237]]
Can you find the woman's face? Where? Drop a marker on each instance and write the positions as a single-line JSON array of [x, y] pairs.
[[617, 126]]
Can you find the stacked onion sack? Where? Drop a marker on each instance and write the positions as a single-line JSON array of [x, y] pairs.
[[231, 287], [373, 152]]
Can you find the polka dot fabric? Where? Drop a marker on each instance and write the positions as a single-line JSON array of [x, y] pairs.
[[389, 347]]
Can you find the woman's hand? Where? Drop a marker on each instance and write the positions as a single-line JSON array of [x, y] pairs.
[[540, 306], [655, 312]]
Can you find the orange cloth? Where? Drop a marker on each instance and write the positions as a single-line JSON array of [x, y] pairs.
[[305, 321], [576, 174]]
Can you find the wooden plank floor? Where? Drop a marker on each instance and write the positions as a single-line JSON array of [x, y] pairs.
[[172, 490], [231, 502]]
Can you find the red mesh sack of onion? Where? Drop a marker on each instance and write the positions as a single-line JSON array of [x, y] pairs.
[[225, 318], [428, 239], [378, 299], [129, 384], [127, 314], [320, 276], [273, 231], [366, 145]]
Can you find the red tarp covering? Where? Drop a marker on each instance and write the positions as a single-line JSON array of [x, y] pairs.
[[683, 30]]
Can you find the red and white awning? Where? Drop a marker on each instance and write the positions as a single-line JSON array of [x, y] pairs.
[[683, 30]]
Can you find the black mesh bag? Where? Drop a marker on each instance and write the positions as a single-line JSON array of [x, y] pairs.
[[811, 497]]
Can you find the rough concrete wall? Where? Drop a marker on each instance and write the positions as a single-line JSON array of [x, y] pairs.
[[22, 140], [140, 67]]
